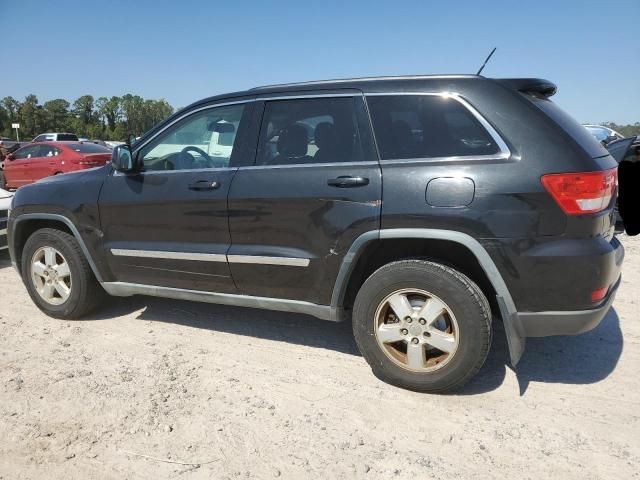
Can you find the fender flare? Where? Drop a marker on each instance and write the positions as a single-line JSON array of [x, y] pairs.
[[513, 328], [72, 227]]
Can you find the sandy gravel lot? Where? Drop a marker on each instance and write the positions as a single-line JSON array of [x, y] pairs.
[[241, 393]]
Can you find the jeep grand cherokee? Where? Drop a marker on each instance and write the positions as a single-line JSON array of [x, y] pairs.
[[418, 208]]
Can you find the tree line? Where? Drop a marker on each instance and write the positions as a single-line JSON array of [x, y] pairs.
[[96, 118]]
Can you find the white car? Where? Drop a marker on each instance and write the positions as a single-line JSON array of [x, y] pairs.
[[56, 137], [5, 203], [603, 134]]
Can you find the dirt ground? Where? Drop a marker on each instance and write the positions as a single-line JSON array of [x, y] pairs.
[[239, 393]]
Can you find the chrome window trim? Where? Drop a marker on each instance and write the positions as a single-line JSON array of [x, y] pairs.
[[186, 170], [212, 257], [167, 255], [504, 153], [307, 165]]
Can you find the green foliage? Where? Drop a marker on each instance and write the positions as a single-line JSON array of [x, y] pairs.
[[624, 130], [102, 118]]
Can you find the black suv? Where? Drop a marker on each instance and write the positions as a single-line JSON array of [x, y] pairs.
[[417, 207]]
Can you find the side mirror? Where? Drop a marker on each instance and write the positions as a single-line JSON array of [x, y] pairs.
[[122, 159]]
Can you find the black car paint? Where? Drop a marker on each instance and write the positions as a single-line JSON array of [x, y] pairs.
[[548, 261]]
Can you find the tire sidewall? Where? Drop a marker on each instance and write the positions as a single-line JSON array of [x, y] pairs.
[[451, 289], [47, 238]]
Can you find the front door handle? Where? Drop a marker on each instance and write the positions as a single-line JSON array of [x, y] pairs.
[[348, 181], [204, 185]]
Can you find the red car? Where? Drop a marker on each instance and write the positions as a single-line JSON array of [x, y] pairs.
[[39, 160]]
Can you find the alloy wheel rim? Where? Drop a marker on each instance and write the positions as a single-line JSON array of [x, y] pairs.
[[51, 275], [416, 330]]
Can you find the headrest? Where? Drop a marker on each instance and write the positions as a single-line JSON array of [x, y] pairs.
[[293, 141], [325, 135]]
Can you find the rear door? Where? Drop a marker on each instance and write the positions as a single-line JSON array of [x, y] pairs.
[[167, 225], [314, 187], [43, 164]]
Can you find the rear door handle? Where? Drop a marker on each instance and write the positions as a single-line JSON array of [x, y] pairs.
[[204, 185], [348, 181]]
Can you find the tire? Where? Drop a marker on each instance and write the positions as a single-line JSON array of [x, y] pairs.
[[84, 291], [462, 329]]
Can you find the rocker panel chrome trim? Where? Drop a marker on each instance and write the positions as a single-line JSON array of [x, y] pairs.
[[123, 289]]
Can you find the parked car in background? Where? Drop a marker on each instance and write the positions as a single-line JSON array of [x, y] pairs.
[[39, 160], [113, 143], [56, 137], [604, 135], [5, 203], [496, 204]]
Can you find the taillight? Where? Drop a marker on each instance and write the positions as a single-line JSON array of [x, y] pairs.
[[583, 192]]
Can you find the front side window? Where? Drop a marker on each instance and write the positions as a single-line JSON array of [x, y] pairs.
[[424, 126], [314, 130], [205, 139], [26, 152]]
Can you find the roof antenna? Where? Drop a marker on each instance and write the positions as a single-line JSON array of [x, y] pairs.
[[485, 62]]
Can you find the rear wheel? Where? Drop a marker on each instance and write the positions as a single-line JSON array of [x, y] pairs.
[[58, 276], [422, 326]]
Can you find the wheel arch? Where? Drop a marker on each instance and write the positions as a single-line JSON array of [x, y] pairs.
[[26, 224], [457, 249]]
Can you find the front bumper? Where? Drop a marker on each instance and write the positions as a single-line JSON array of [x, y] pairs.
[[544, 324]]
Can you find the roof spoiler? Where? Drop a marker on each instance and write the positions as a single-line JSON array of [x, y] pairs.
[[537, 86]]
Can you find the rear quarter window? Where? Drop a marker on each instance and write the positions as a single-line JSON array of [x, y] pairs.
[[427, 126], [569, 125]]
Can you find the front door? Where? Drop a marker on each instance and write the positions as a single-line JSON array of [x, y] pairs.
[[314, 188], [18, 170], [167, 224]]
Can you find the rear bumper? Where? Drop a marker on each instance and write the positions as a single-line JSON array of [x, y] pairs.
[[544, 324]]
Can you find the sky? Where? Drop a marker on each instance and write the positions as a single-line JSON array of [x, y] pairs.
[[184, 50]]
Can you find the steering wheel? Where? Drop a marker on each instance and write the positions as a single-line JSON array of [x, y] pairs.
[[201, 152]]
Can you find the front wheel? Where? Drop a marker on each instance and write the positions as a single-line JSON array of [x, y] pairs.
[[58, 276], [422, 325]]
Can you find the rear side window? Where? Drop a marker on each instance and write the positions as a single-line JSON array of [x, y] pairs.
[[89, 148], [67, 137], [427, 126], [314, 130]]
